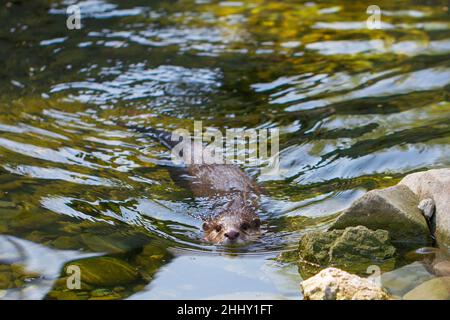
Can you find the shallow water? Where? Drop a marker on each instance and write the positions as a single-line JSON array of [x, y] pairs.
[[358, 109]]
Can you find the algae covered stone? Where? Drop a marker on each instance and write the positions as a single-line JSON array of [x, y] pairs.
[[106, 271], [353, 249]]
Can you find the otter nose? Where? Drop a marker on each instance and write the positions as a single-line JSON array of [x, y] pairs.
[[232, 235]]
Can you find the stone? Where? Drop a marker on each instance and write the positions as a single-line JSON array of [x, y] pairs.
[[63, 295], [65, 243], [108, 297], [102, 243], [6, 280], [434, 289], [434, 184], [399, 281], [353, 249], [101, 292], [106, 271], [335, 284], [442, 268], [427, 207], [393, 209]]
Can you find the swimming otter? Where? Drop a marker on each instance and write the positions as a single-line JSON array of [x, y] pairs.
[[235, 200], [232, 194]]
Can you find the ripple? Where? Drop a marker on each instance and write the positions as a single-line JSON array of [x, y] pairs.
[[60, 174], [422, 80], [99, 9], [139, 82], [34, 258], [59, 204]]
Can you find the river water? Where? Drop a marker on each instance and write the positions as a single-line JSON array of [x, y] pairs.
[[357, 109]]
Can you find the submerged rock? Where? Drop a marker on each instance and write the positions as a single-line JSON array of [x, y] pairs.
[[442, 268], [353, 249], [434, 289], [106, 271], [435, 185], [393, 209], [335, 284], [400, 281]]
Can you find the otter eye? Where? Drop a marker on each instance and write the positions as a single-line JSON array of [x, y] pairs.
[[218, 228], [256, 223], [206, 226], [245, 226]]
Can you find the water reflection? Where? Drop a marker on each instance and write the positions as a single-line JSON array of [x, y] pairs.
[[28, 270], [357, 110]]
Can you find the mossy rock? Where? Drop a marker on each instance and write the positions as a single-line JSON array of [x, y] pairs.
[[151, 259], [106, 271], [64, 295], [108, 297], [65, 243], [353, 249], [101, 292], [6, 280], [102, 243]]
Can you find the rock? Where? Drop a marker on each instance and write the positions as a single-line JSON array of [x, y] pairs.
[[6, 280], [151, 259], [442, 268], [434, 289], [108, 297], [400, 281], [106, 271], [37, 236], [101, 292], [427, 207], [353, 249], [393, 209], [102, 243], [434, 184], [65, 243], [63, 295], [335, 284], [440, 265]]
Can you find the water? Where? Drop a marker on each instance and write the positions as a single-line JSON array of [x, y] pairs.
[[358, 109]]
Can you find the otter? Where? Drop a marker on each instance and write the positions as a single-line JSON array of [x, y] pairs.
[[233, 196]]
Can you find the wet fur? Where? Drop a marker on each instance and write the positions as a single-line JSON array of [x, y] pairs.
[[233, 195], [235, 199]]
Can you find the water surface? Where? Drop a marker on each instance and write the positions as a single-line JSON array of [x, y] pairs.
[[358, 109]]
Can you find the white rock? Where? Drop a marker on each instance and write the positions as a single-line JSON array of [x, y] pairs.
[[434, 184], [335, 284]]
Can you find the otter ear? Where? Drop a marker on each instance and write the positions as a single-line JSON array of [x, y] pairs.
[[206, 226], [256, 222]]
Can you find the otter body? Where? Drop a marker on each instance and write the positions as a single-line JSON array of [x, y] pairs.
[[233, 197]]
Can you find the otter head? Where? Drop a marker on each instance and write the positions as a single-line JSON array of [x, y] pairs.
[[231, 228]]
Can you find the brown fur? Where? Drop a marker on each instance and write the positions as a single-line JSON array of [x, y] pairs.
[[235, 200]]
